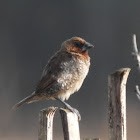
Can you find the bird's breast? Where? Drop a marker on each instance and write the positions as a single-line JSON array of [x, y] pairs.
[[75, 78], [82, 71]]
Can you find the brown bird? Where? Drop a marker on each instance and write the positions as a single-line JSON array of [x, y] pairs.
[[64, 74]]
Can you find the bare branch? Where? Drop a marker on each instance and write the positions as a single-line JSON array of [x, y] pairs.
[[138, 92], [135, 49], [136, 55], [135, 52]]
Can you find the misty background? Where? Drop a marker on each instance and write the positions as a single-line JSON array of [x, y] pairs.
[[31, 31]]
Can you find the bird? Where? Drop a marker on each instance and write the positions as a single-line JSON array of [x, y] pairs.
[[63, 75]]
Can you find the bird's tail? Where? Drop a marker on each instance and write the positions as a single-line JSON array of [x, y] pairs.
[[28, 99]]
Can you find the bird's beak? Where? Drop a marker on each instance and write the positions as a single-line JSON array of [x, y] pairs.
[[87, 46]]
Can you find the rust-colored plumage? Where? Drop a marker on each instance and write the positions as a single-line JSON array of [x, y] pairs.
[[64, 73]]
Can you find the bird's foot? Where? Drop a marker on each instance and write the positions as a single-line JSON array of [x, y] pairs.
[[70, 108], [74, 111], [77, 113]]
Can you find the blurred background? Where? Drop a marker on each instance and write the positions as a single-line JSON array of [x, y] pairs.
[[31, 31]]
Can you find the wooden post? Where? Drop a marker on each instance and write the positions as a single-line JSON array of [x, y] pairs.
[[92, 139], [70, 125], [46, 123], [117, 104]]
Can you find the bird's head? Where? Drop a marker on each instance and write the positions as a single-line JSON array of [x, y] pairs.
[[76, 45]]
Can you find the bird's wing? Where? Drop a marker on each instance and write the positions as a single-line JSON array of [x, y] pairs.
[[57, 74]]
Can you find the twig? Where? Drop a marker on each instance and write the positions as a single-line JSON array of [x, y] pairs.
[[136, 55], [138, 92], [135, 52]]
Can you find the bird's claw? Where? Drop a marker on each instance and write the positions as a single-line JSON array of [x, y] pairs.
[[76, 112]]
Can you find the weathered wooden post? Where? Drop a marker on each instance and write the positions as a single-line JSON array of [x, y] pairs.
[[46, 123], [117, 104], [92, 139], [70, 125]]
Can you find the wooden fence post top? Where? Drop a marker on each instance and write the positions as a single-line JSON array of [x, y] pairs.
[[120, 71], [68, 112], [122, 74], [51, 109]]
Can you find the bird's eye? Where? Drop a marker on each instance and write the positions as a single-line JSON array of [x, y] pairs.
[[78, 44]]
